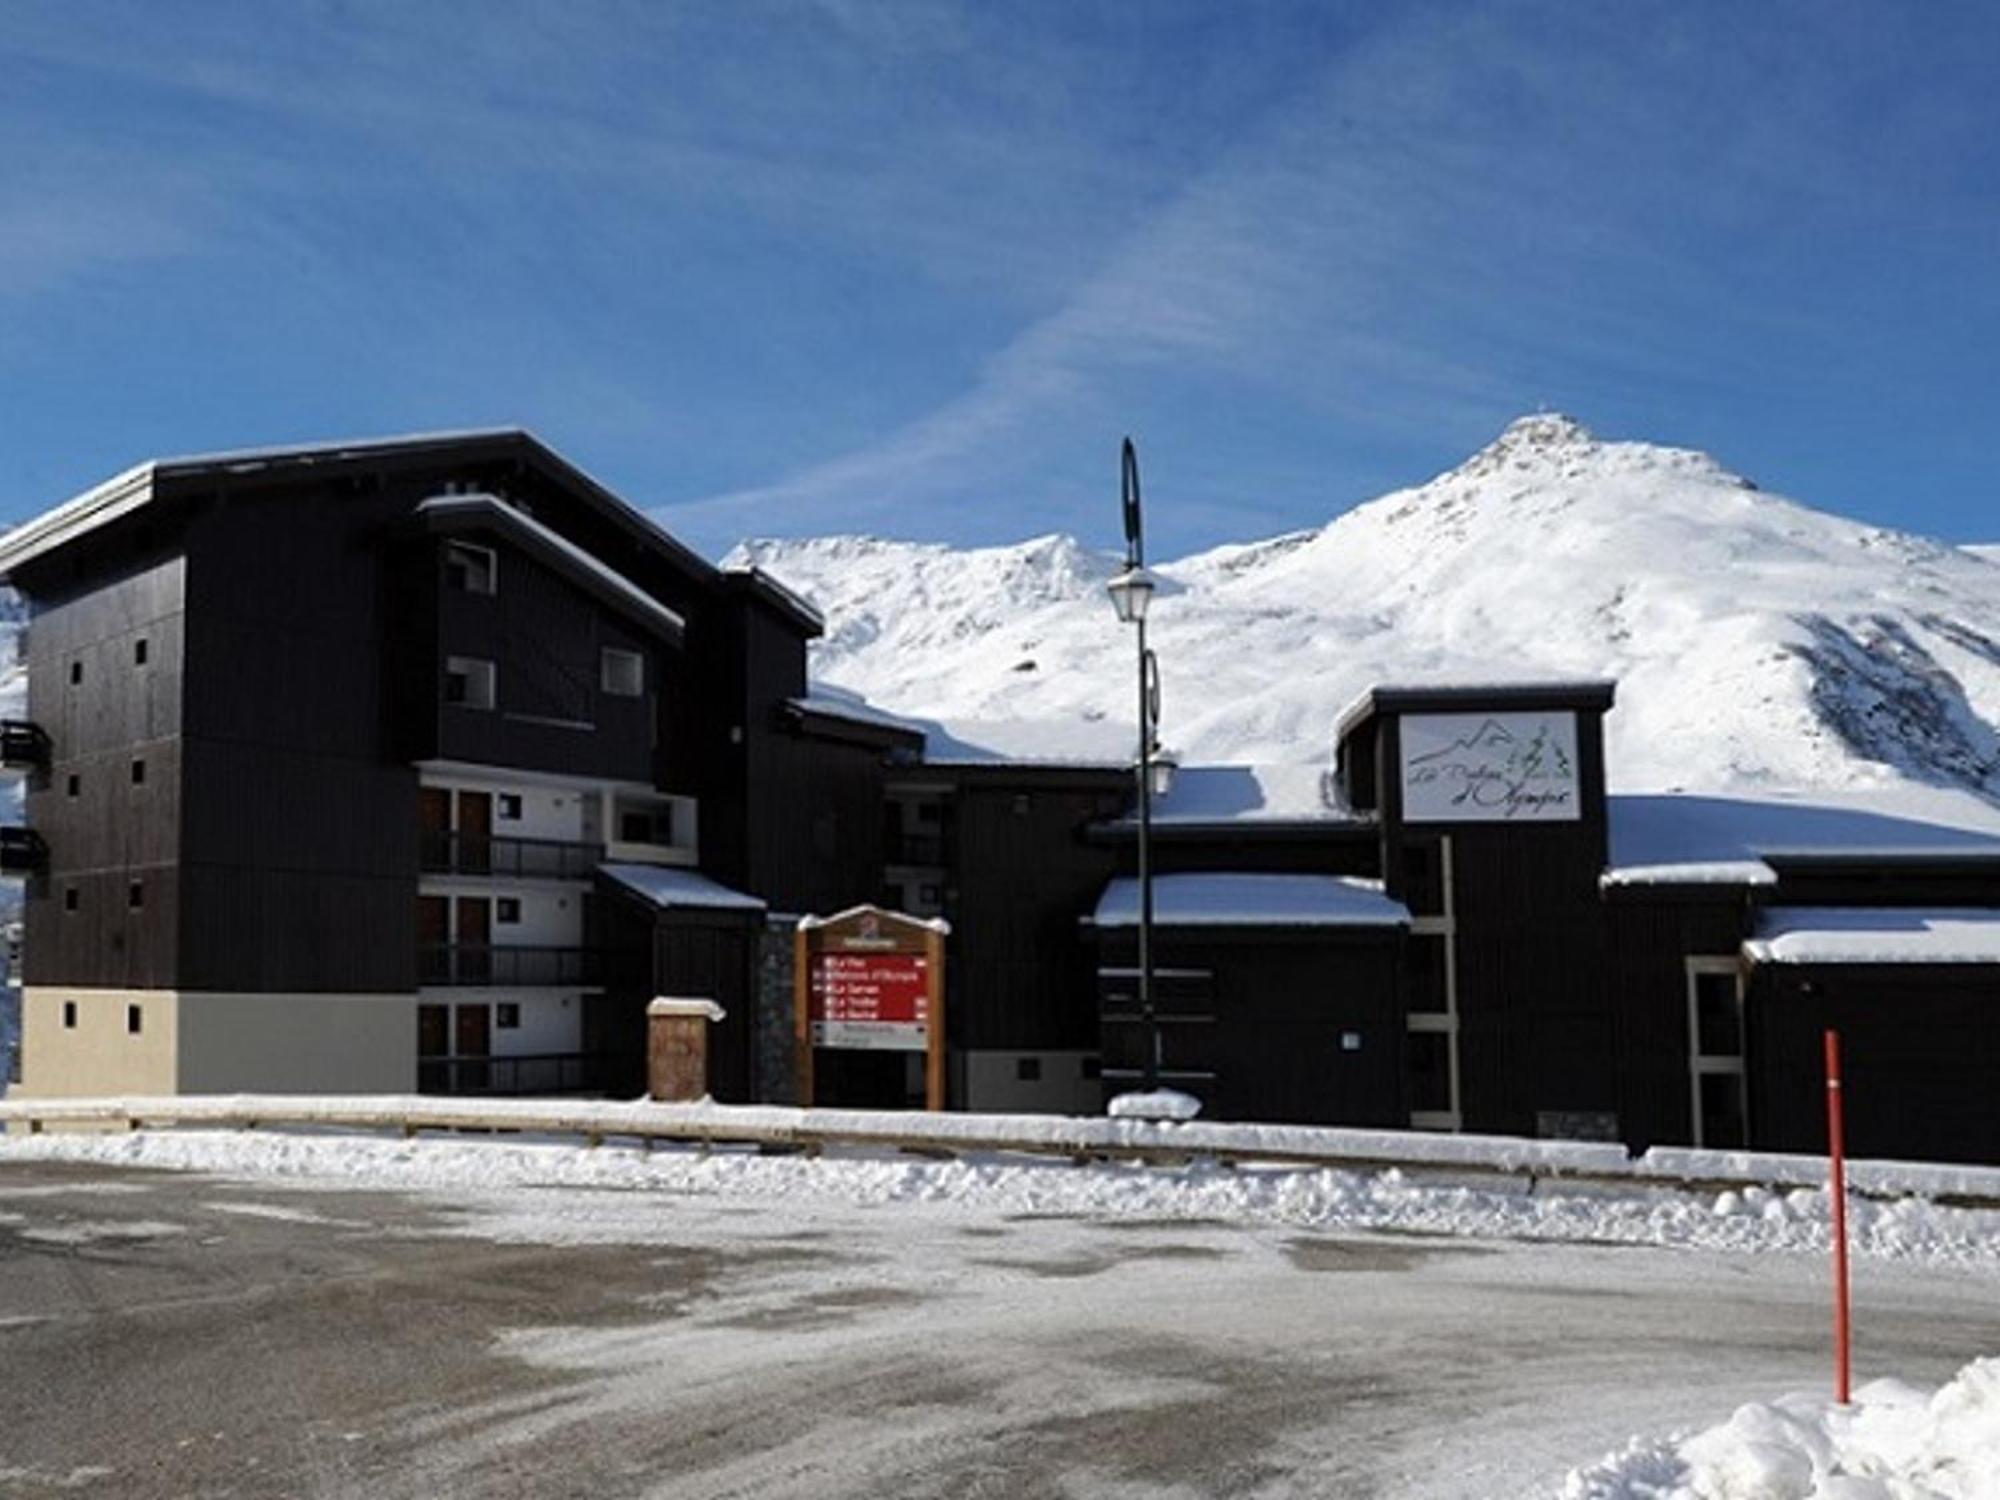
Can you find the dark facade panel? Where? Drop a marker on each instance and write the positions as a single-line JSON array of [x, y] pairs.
[[1307, 1027], [1920, 1053]]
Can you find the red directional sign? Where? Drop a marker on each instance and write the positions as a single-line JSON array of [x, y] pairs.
[[870, 1000]]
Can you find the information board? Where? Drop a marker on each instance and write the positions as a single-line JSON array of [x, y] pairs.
[[874, 1001]]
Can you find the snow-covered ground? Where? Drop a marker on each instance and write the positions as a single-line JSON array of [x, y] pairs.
[[872, 1323], [1893, 1442], [1757, 643]]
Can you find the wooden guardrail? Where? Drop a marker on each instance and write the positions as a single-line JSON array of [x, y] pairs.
[[1074, 1138]]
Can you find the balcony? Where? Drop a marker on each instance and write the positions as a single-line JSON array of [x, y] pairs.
[[914, 849], [22, 851], [24, 747], [450, 853], [549, 1073], [514, 966]]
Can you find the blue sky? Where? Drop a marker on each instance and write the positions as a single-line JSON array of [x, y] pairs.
[[913, 269]]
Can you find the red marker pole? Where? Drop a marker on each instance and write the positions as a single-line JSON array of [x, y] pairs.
[[1836, 1144]]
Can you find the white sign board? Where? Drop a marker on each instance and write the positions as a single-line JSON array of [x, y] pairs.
[[1490, 768]]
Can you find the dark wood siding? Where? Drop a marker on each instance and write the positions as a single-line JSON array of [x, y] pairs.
[[1651, 937], [1920, 1054], [1282, 1002], [113, 833]]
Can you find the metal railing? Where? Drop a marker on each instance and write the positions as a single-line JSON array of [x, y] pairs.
[[538, 1073], [24, 746], [518, 964], [447, 852]]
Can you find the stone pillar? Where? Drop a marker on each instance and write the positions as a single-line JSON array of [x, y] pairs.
[[677, 1048], [777, 1071]]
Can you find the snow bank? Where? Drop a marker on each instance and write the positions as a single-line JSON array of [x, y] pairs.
[[1160, 1104], [1893, 1443], [1327, 1198]]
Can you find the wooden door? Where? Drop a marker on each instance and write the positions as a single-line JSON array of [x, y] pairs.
[[433, 939], [433, 1042], [473, 947], [434, 825], [475, 832], [472, 1045]]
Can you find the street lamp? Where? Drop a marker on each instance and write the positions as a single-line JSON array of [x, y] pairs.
[[1131, 595]]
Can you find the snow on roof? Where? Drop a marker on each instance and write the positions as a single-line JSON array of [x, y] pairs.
[[837, 703], [1875, 935], [791, 596], [614, 581], [1243, 794], [1364, 703], [668, 887], [1674, 838], [1247, 900]]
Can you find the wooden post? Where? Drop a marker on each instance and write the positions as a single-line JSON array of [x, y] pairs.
[[1836, 1148], [934, 1036], [677, 1048]]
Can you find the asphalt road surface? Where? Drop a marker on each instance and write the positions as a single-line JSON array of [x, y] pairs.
[[173, 1335]]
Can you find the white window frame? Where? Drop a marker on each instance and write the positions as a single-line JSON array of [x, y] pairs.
[[1442, 927], [1704, 1065], [482, 682], [487, 555], [613, 665]]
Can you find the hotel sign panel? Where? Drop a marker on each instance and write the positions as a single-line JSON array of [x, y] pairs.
[[1490, 768]]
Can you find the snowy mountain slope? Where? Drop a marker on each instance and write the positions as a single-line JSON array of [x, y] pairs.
[[1756, 642]]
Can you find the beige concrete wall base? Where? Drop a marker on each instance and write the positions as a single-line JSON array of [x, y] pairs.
[[80, 1042]]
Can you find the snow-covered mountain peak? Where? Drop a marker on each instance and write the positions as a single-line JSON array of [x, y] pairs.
[[1757, 642]]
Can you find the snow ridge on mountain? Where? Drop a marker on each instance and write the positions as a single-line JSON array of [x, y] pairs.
[[1757, 643]]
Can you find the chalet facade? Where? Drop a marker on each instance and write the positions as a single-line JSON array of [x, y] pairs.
[[425, 764]]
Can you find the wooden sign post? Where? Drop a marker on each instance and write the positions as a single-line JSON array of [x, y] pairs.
[[872, 980]]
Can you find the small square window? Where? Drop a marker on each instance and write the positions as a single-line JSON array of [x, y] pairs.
[[73, 786], [507, 911], [135, 894], [134, 1018], [468, 682], [623, 673], [69, 1015], [75, 673], [1027, 1070], [139, 652], [507, 1016], [470, 569], [138, 773], [507, 807], [71, 899]]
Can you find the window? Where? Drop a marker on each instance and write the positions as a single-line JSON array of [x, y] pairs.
[[1027, 1070], [134, 1018], [470, 569], [135, 894], [507, 911], [1718, 1084], [468, 681], [74, 785], [138, 773], [139, 652], [646, 825], [75, 673], [69, 1015], [507, 807], [71, 900], [623, 673], [507, 1016]]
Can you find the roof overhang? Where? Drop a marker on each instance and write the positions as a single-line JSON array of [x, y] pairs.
[[1594, 695], [449, 514]]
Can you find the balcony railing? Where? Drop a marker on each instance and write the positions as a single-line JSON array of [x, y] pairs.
[[521, 964], [22, 851], [450, 853], [546, 1073], [915, 849], [23, 746]]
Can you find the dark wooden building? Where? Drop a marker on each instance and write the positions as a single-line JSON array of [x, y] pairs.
[[427, 763]]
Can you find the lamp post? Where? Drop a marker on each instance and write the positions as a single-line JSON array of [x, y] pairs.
[[1131, 593]]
